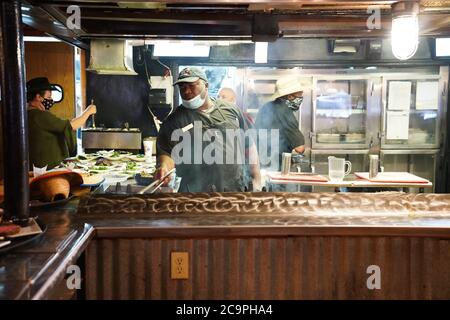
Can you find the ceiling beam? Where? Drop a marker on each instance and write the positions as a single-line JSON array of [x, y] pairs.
[[122, 27], [62, 17], [175, 22]]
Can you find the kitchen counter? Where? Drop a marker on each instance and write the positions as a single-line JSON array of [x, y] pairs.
[[37, 271]]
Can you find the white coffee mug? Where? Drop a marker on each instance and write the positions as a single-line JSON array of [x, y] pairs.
[[336, 168]]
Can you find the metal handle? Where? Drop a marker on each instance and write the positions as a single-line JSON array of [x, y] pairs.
[[157, 183], [349, 169], [93, 116]]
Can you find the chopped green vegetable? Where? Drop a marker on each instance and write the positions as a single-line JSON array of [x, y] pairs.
[[131, 165], [100, 167]]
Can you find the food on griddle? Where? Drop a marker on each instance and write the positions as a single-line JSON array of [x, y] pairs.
[[9, 229], [145, 174], [103, 162], [131, 165], [109, 162]]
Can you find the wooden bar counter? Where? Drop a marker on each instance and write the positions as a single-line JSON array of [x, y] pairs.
[[240, 246]]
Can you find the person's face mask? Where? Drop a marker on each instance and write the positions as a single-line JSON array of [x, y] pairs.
[[295, 104], [47, 103], [196, 102]]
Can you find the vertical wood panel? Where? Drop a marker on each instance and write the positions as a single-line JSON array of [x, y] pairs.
[[107, 275], [123, 255], [200, 274], [304, 263], [219, 263], [232, 276], [444, 270], [428, 269], [364, 261], [270, 268], [248, 267], [293, 267], [347, 278], [265, 266], [279, 275], [416, 276], [137, 265], [379, 259], [326, 267], [54, 60], [91, 264], [155, 259], [186, 286]]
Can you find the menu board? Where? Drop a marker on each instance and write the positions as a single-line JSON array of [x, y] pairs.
[[399, 95], [397, 125], [427, 95]]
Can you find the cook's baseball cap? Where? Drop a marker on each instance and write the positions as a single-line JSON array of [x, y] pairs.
[[190, 74], [40, 84]]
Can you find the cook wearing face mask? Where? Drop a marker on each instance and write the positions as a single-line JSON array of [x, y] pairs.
[[213, 116], [294, 103], [280, 114], [51, 139]]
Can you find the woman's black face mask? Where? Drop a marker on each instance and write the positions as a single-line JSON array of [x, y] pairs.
[[48, 103]]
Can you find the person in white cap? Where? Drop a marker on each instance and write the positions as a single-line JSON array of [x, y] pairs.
[[279, 114]]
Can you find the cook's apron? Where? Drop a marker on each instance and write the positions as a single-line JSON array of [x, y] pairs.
[[215, 177]]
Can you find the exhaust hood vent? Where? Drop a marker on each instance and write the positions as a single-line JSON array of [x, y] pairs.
[[111, 56], [344, 46]]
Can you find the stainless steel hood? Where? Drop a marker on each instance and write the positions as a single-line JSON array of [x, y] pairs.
[[111, 56]]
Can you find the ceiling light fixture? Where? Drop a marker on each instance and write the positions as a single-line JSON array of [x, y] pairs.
[[405, 29], [40, 39], [180, 49]]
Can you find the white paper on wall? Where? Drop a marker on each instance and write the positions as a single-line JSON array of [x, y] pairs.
[[397, 125], [427, 95], [399, 95], [163, 83]]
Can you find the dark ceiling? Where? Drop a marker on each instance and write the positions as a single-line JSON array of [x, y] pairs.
[[224, 19]]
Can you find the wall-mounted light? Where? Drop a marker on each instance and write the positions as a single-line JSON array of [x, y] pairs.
[[405, 29], [442, 47], [261, 52], [40, 39], [180, 49]]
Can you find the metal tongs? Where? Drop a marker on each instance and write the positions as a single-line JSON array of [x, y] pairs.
[[156, 184]]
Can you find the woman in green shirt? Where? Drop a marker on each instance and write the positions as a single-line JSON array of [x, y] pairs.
[[51, 139]]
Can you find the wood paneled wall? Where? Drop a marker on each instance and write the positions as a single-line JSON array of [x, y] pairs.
[[304, 267], [54, 60]]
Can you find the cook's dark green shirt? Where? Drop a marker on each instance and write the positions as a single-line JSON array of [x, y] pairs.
[[200, 177], [277, 115], [51, 139]]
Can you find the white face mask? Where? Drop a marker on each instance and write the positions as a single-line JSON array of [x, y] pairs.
[[194, 103]]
